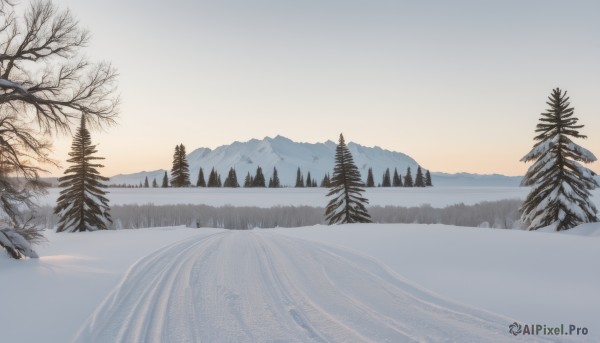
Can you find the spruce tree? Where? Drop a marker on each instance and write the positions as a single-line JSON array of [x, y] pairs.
[[396, 179], [408, 180], [231, 180], [299, 179], [326, 182], [560, 185], [165, 181], [201, 182], [428, 182], [146, 184], [270, 182], [419, 179], [275, 181], [259, 178], [386, 182], [180, 173], [82, 205], [154, 183], [308, 180], [213, 179], [248, 180], [370, 181], [347, 204]]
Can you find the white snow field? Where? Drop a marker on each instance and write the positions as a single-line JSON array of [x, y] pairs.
[[347, 283], [269, 197]]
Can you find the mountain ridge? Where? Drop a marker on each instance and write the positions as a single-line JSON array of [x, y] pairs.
[[317, 158]]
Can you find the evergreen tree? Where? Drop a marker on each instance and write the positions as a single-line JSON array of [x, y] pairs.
[[419, 179], [314, 184], [219, 184], [560, 186], [180, 174], [396, 180], [154, 183], [347, 204], [82, 205], [370, 181], [270, 182], [259, 178], [276, 183], [165, 181], [386, 181], [308, 180], [408, 180], [299, 179], [146, 184], [326, 183], [212, 179], [428, 182], [231, 180], [248, 181], [201, 182]]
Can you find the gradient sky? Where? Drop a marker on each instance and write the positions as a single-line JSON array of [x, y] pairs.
[[457, 85]]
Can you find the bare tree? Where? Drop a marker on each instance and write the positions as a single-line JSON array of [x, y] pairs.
[[45, 87]]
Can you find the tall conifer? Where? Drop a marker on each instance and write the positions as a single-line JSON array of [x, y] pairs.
[[82, 205], [560, 185], [347, 204]]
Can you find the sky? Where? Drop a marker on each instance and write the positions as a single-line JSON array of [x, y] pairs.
[[457, 85]]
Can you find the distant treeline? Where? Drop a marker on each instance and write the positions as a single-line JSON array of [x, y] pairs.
[[501, 214], [259, 180]]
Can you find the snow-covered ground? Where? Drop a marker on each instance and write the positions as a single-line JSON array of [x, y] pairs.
[[266, 197], [362, 282]]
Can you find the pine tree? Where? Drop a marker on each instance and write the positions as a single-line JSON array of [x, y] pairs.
[[248, 181], [314, 184], [213, 179], [299, 179], [165, 181], [428, 182], [408, 180], [82, 205], [219, 184], [154, 183], [201, 182], [308, 180], [326, 182], [386, 181], [231, 180], [180, 174], [370, 181], [347, 204], [419, 179], [560, 186], [270, 182], [396, 179], [146, 184], [259, 178], [275, 181]]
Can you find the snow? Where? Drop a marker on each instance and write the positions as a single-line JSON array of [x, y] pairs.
[[265, 197], [10, 84], [344, 283], [356, 282]]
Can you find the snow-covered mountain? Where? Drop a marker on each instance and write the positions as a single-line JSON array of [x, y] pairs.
[[317, 158], [284, 154]]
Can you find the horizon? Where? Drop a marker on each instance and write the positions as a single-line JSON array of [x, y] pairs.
[[459, 87]]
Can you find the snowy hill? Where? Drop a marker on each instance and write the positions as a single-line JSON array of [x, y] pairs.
[[316, 158]]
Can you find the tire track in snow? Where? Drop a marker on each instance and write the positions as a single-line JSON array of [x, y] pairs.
[[259, 286]]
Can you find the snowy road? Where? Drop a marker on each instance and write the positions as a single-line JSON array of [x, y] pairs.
[[260, 286]]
